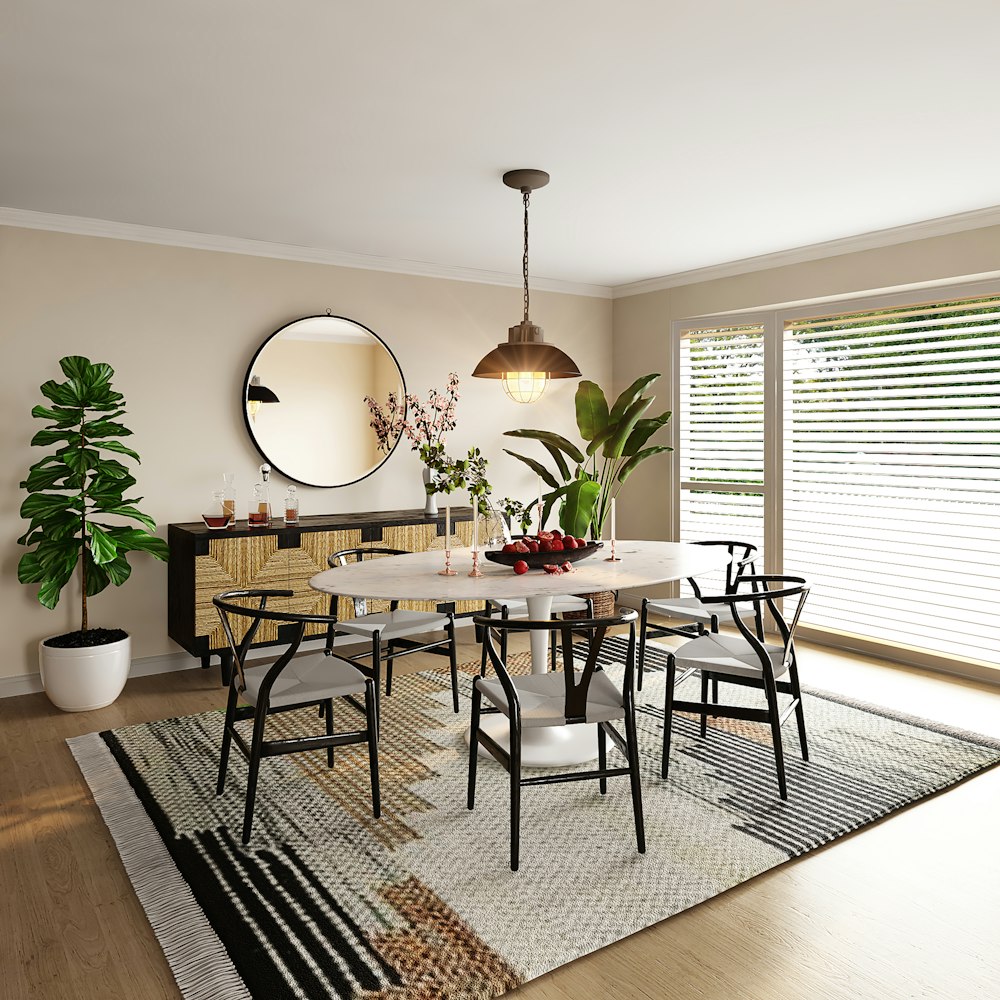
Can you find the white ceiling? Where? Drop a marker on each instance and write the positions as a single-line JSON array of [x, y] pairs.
[[678, 134]]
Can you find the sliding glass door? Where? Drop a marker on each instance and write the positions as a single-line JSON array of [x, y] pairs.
[[864, 448]]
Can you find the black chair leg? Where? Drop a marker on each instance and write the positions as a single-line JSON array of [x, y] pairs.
[[775, 717], [371, 714], [668, 714], [800, 717], [642, 645], [632, 742], [328, 705], [704, 701], [477, 702], [715, 690], [453, 663], [388, 670], [515, 796], [602, 756], [227, 737], [255, 748]]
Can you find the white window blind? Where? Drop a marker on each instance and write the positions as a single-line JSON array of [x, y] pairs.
[[721, 425], [892, 473]]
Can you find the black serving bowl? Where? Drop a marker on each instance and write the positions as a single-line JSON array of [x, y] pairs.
[[536, 560]]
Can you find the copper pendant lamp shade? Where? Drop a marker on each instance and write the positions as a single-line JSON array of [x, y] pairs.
[[526, 363]]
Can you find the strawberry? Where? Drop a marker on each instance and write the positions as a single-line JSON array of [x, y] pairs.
[[520, 567]]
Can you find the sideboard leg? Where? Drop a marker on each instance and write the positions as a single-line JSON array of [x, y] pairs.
[[226, 661], [206, 661]]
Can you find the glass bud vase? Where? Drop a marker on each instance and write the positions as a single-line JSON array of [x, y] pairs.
[[430, 499]]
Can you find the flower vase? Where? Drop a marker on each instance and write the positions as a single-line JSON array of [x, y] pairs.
[[430, 499]]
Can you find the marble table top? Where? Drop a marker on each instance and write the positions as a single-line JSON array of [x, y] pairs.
[[415, 577]]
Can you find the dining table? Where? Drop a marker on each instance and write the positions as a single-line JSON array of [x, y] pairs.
[[416, 577]]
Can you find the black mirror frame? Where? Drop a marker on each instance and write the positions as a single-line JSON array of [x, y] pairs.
[[249, 424]]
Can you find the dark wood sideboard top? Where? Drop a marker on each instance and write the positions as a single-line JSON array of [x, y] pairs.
[[325, 522]]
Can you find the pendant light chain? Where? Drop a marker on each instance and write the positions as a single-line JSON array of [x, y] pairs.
[[526, 194]]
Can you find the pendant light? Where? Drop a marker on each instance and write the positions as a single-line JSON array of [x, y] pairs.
[[526, 363], [257, 394]]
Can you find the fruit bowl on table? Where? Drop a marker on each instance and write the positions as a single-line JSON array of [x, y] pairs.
[[536, 560]]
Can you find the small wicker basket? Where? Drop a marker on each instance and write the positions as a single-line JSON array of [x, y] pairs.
[[603, 601]]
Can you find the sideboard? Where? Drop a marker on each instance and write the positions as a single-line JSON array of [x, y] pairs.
[[205, 562]]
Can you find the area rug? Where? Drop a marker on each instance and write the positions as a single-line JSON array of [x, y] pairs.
[[325, 901]]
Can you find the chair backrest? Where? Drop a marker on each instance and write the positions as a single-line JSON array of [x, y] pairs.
[[741, 559], [228, 609], [576, 683], [346, 556], [767, 590]]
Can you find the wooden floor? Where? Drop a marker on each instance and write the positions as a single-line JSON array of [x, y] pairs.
[[909, 908]]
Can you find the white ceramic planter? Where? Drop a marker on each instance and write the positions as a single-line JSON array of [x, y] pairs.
[[79, 680]]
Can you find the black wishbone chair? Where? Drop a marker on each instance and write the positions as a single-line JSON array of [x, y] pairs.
[[561, 605], [747, 660], [394, 627], [284, 683], [564, 698], [694, 613]]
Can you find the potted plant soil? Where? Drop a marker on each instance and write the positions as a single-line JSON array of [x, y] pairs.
[[78, 518]]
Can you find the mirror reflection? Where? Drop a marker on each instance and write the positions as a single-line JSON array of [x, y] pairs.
[[304, 400]]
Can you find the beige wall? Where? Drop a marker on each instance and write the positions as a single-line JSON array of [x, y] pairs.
[[180, 326], [642, 324]]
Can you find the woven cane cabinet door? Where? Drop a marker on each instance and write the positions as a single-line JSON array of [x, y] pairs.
[[204, 563]]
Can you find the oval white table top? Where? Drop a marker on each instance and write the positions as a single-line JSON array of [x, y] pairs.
[[415, 577]]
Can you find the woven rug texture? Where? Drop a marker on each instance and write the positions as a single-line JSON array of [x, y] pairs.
[[326, 901]]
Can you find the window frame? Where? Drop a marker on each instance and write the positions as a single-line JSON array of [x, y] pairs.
[[773, 322]]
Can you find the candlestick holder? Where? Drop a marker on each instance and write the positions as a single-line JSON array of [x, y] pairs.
[[613, 557], [447, 571], [475, 571]]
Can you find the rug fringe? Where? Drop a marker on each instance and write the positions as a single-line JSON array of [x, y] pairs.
[[197, 958]]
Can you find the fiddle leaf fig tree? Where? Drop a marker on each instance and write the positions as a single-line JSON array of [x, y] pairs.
[[584, 481], [76, 499]]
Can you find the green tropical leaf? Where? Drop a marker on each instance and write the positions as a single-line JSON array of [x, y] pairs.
[[103, 428], [630, 395], [114, 469], [50, 436], [638, 458], [600, 439], [29, 568], [63, 394], [47, 504], [103, 547], [644, 429], [552, 439], [76, 366], [80, 460], [126, 510], [119, 447], [578, 506], [118, 570], [56, 577], [547, 502], [560, 460], [64, 416], [97, 576], [614, 446], [136, 540], [591, 410], [46, 476], [536, 467]]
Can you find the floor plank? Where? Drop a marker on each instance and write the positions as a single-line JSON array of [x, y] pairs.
[[907, 908]]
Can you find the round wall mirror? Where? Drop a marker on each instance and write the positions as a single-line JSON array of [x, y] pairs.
[[304, 400]]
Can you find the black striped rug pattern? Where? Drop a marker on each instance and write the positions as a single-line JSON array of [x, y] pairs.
[[327, 902]]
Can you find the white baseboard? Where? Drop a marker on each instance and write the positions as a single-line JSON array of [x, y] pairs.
[[145, 666]]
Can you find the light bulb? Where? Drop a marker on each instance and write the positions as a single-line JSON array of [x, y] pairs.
[[253, 405], [525, 387]]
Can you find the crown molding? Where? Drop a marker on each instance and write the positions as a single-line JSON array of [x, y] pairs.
[[945, 226], [80, 226]]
